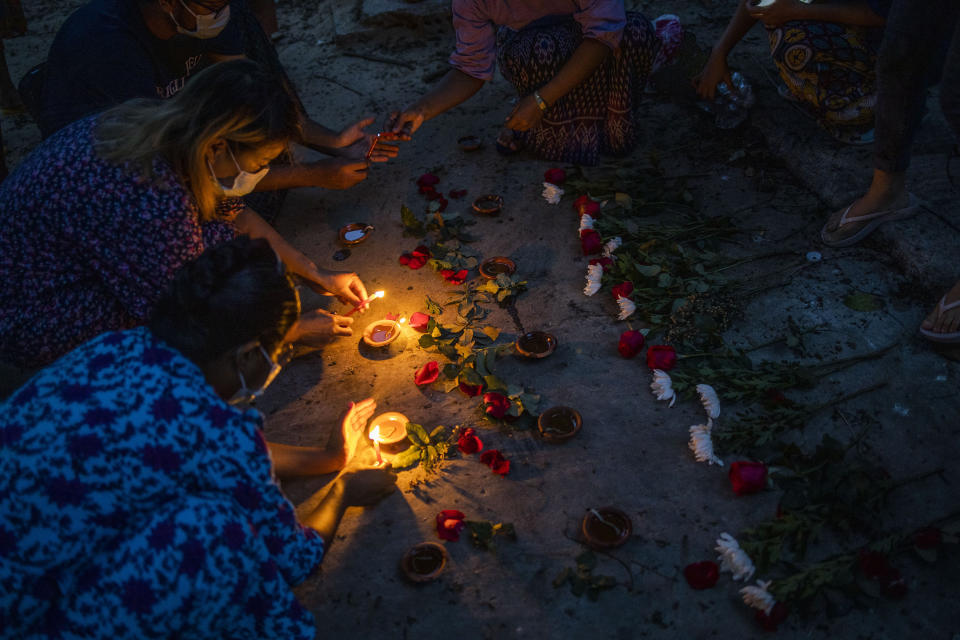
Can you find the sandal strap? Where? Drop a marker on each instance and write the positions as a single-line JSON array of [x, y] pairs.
[[947, 307], [868, 216]]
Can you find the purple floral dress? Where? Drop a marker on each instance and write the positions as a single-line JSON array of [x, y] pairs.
[[135, 503], [88, 246]]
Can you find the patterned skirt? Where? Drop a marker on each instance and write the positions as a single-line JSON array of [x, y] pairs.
[[830, 69], [600, 114]]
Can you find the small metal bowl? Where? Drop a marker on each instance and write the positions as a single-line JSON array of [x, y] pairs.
[[559, 424], [355, 233], [536, 344], [489, 205], [469, 143], [431, 554], [606, 535], [381, 333], [493, 267]]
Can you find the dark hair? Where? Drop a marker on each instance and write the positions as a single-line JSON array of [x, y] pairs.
[[230, 295]]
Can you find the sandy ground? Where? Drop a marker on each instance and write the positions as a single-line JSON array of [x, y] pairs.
[[632, 451]]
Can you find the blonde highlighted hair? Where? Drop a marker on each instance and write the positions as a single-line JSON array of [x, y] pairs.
[[238, 101]]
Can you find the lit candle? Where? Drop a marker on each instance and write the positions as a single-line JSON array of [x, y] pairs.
[[378, 294], [375, 436]]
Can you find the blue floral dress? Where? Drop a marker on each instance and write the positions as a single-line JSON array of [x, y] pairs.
[[135, 503], [88, 246]]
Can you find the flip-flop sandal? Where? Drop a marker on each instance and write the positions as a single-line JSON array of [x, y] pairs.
[[944, 338], [876, 219]]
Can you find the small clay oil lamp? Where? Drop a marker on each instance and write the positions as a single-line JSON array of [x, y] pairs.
[[382, 332], [469, 143], [536, 344], [390, 429], [559, 424], [605, 528], [354, 233], [489, 205], [493, 267], [424, 562]]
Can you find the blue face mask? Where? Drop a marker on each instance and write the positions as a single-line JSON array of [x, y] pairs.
[[208, 26]]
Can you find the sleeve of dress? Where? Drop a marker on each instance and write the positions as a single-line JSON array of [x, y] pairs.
[[476, 52], [602, 20], [236, 461]]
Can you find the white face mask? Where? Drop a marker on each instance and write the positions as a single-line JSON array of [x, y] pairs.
[[246, 395], [243, 183], [208, 26]]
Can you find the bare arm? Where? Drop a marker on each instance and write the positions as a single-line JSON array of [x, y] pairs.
[[853, 13], [455, 87], [716, 69], [358, 485], [289, 460]]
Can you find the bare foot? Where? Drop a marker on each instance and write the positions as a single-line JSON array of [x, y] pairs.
[[835, 234], [945, 322]]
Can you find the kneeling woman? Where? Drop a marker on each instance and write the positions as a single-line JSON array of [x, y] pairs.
[[579, 66], [94, 223], [136, 502]]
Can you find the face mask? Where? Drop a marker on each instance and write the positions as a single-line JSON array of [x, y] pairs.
[[244, 394], [243, 183], [208, 26]]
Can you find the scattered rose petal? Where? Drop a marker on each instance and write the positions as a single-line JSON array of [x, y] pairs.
[[419, 321], [393, 316], [454, 277], [427, 180], [495, 460], [748, 477], [555, 176], [661, 356], [497, 404], [590, 242], [416, 258], [427, 374], [449, 524], [443, 203], [631, 343], [471, 390], [433, 194], [427, 191], [622, 290], [468, 442], [586, 205], [702, 575], [457, 193]]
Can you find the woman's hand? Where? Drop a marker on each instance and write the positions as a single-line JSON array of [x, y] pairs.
[[775, 14], [525, 115], [354, 425], [405, 123], [714, 72], [318, 327], [345, 285], [364, 484]]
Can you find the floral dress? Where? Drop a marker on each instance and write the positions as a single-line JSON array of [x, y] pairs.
[[135, 503], [88, 246]]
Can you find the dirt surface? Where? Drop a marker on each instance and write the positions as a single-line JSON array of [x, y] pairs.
[[632, 451]]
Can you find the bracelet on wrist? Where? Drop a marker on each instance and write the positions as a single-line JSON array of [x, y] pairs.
[[540, 101]]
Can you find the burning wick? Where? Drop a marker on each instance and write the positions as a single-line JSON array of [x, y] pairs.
[[375, 436], [378, 294]]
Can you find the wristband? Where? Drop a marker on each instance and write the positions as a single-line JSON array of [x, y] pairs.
[[540, 101]]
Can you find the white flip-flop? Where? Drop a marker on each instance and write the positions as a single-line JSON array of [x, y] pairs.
[[876, 218], [946, 338]]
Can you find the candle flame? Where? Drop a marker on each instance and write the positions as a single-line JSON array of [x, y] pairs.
[[402, 320], [377, 294], [375, 433]]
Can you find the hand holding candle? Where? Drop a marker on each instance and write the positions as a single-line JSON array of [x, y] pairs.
[[363, 304], [375, 436]]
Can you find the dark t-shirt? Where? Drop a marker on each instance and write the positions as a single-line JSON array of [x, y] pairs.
[[104, 55]]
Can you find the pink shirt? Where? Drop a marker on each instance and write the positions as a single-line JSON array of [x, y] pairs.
[[476, 23]]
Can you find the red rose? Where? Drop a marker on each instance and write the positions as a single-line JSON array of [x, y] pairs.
[[416, 258], [604, 262], [584, 204], [468, 442], [631, 343], [701, 575], [449, 524], [622, 290], [893, 585], [555, 176], [433, 194], [443, 203], [748, 477], [777, 615], [873, 564], [495, 460], [454, 277], [419, 321], [428, 191], [497, 404], [457, 193], [927, 538], [427, 180], [471, 390], [661, 356], [427, 374], [590, 242]]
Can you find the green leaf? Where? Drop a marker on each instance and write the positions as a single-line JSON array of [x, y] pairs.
[[411, 223], [586, 561], [481, 534], [436, 433], [406, 458], [446, 385], [451, 371], [514, 390], [861, 301], [562, 577], [433, 308], [531, 402], [503, 281], [649, 270], [492, 332], [494, 383], [470, 376], [426, 341], [417, 434]]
